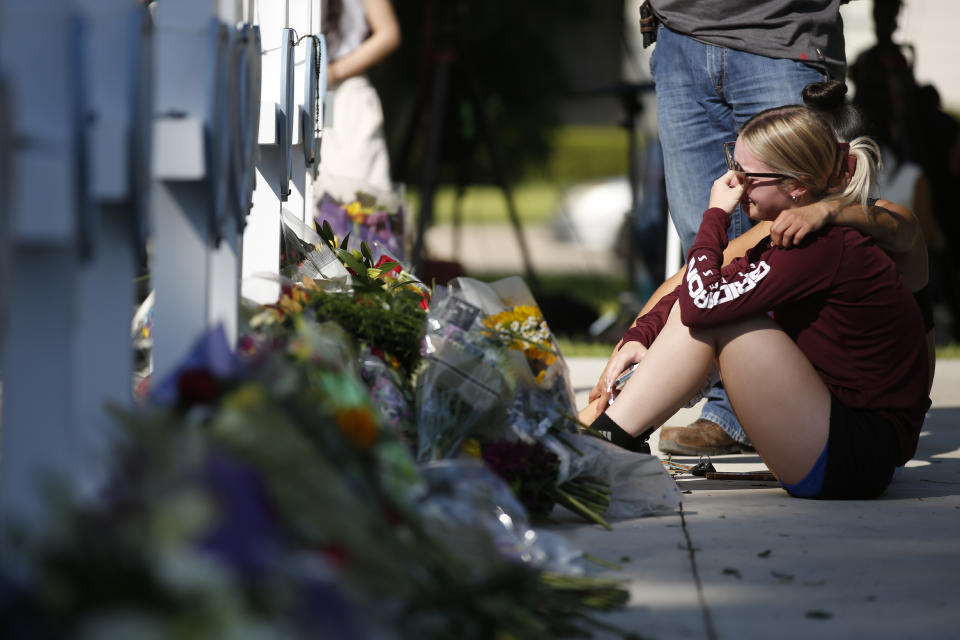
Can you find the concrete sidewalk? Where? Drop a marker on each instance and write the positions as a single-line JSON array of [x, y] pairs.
[[742, 559]]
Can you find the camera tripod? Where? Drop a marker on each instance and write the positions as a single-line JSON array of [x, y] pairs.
[[448, 88]]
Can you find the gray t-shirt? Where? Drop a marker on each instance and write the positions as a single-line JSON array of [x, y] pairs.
[[807, 30]]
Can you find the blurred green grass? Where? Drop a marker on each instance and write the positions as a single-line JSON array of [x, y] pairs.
[[948, 351], [571, 348], [535, 200], [580, 154]]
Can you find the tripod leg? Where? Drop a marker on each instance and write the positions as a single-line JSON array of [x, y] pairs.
[[458, 205], [438, 106], [497, 155], [406, 146], [416, 116], [634, 166]]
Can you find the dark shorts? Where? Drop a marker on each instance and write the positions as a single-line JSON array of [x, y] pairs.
[[861, 456]]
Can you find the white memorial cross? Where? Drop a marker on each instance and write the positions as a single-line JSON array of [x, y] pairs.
[[285, 166], [39, 58], [6, 248], [117, 72], [305, 23], [237, 119], [196, 213], [261, 239]]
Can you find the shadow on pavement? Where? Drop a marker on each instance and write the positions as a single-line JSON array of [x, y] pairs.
[[934, 472]]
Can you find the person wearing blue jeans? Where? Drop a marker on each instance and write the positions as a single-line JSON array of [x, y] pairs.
[[716, 64]]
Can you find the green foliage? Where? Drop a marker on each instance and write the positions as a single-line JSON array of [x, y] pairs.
[[394, 325]]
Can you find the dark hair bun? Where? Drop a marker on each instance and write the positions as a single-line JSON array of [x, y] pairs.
[[824, 96]]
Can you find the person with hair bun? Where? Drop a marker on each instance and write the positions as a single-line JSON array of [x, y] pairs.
[[900, 230], [820, 346]]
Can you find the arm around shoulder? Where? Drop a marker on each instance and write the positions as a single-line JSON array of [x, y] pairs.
[[892, 226]]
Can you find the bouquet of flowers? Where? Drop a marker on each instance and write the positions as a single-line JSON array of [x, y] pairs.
[[390, 391], [304, 254], [511, 315], [496, 387], [267, 499], [381, 311], [368, 214]]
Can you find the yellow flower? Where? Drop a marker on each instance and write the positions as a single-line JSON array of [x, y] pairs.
[[358, 425], [293, 302], [357, 212], [245, 398], [471, 448], [528, 332], [290, 305]]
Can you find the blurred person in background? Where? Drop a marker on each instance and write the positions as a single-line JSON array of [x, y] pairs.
[[921, 145], [359, 33]]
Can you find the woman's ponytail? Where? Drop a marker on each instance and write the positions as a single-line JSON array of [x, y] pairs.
[[862, 181]]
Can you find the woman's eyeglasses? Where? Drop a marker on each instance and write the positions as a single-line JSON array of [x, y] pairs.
[[734, 166]]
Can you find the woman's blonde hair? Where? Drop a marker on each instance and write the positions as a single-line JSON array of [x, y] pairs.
[[797, 142]]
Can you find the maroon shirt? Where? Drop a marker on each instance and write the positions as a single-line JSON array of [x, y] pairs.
[[838, 296]]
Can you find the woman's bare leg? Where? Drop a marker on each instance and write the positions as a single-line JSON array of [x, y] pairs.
[[673, 369], [777, 395]]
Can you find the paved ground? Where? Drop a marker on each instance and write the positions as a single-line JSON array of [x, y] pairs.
[[744, 560]]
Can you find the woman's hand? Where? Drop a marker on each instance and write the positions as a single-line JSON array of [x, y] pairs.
[[793, 225], [726, 192], [621, 360], [598, 389]]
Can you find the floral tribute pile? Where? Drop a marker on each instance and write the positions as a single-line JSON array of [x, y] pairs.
[[366, 464]]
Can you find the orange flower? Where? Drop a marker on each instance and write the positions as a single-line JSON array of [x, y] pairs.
[[358, 425]]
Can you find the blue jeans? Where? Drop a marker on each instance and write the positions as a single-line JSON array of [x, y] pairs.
[[705, 94]]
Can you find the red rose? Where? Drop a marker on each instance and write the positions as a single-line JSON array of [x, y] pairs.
[[196, 386], [384, 259]]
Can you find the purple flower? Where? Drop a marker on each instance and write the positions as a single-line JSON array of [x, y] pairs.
[[529, 469], [247, 536]]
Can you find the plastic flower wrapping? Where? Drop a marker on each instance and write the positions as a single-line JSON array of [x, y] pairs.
[[494, 386], [365, 213], [266, 497], [304, 253]]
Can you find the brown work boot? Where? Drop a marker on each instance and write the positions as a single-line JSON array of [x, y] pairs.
[[702, 438]]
